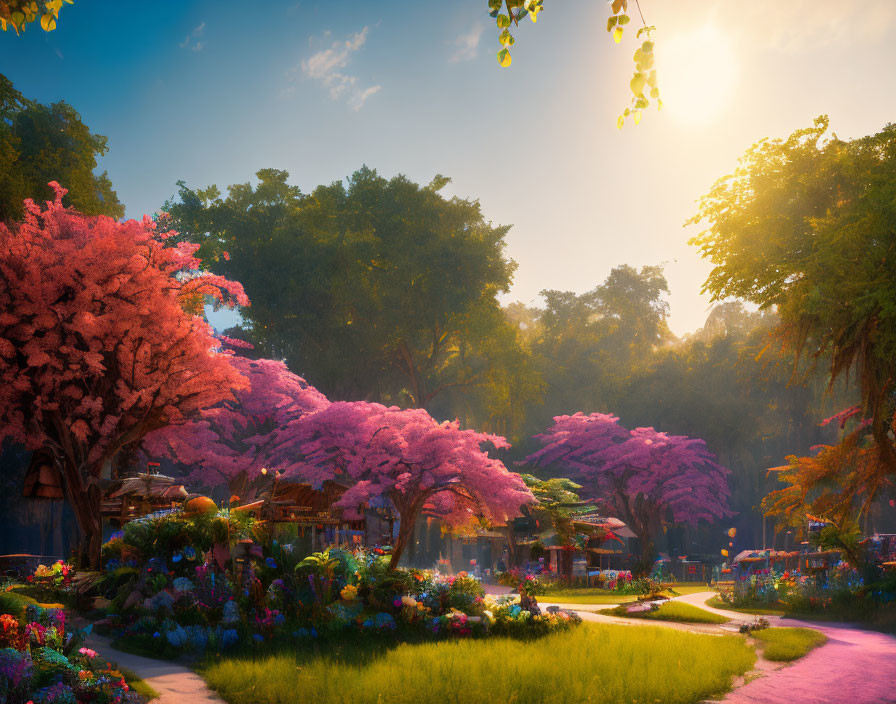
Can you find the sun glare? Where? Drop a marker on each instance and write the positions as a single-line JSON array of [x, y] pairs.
[[696, 74]]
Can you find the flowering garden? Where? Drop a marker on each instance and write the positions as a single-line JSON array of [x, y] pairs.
[[177, 584]]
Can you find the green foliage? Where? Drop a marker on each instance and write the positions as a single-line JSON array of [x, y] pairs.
[[720, 602], [558, 503], [386, 290], [804, 225], [669, 611], [593, 662], [43, 143], [16, 14], [14, 603], [787, 644]]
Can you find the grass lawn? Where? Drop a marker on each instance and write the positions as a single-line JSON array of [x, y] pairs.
[[591, 663], [717, 603], [595, 595], [138, 685], [590, 596], [670, 611], [786, 644]]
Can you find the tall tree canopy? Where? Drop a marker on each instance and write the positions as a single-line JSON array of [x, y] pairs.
[[647, 478], [386, 290], [101, 342], [806, 225], [586, 346], [43, 143], [413, 460]]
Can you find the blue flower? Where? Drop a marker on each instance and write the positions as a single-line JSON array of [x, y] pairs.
[[176, 557], [156, 635], [271, 563], [257, 638]]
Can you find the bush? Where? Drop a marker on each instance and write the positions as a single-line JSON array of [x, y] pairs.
[[14, 603]]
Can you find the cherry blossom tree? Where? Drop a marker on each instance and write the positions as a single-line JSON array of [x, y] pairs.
[[258, 427], [647, 478], [101, 342], [411, 459]]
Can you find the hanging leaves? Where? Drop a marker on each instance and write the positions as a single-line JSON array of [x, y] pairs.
[[516, 10], [15, 14], [508, 13]]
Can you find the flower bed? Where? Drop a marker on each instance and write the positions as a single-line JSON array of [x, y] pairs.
[[42, 663], [193, 584], [843, 595]]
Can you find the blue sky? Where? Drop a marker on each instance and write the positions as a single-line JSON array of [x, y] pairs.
[[201, 91]]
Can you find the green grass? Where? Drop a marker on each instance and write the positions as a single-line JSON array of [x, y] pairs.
[[591, 663], [786, 644], [717, 603], [595, 595], [670, 611], [575, 596], [139, 685]]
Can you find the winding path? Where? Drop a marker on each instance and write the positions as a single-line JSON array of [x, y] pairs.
[[854, 667], [175, 683]]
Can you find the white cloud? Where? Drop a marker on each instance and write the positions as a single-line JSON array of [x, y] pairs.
[[359, 97], [192, 39], [466, 46], [328, 66]]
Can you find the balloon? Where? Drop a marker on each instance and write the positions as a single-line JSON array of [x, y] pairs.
[[725, 553], [730, 545], [732, 532]]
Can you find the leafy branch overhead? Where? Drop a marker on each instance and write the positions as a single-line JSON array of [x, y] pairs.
[[18, 13], [507, 13]]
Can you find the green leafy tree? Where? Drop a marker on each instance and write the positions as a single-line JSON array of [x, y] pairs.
[[587, 345], [385, 290], [43, 143], [805, 226]]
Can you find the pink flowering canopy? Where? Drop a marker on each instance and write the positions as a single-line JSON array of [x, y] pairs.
[[410, 458], [643, 476], [259, 426], [675, 472], [101, 341]]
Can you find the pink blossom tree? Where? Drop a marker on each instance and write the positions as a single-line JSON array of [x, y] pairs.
[[101, 342], [258, 427], [647, 478], [411, 459]]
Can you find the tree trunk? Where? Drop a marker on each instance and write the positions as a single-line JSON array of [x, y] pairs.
[[405, 534], [648, 553], [86, 501], [512, 547], [564, 564]]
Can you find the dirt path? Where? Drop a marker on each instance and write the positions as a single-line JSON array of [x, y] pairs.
[[175, 683]]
